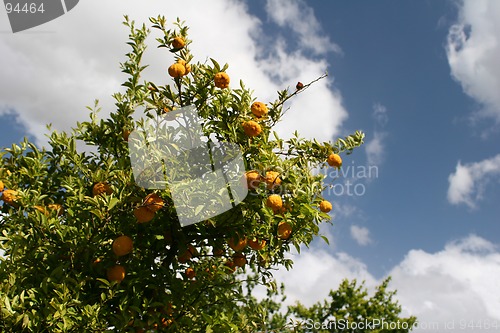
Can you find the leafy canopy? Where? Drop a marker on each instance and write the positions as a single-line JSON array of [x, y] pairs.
[[64, 208]]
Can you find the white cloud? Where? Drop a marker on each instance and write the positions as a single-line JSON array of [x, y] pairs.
[[49, 76], [375, 148], [473, 50], [361, 235], [300, 18], [315, 272], [459, 283], [380, 115], [467, 184]]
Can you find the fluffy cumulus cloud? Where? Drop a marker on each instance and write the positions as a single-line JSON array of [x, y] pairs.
[[468, 183], [300, 18], [51, 74], [361, 235], [473, 51], [316, 272], [457, 284]]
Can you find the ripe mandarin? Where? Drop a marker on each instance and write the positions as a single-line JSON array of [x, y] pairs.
[[221, 80], [274, 202], [116, 273], [251, 128], [272, 179], [325, 206], [334, 160], [143, 214], [284, 230], [122, 245], [178, 43], [253, 179], [101, 188], [259, 109]]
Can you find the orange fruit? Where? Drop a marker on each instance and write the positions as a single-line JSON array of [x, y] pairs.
[[251, 128], [169, 309], [325, 206], [42, 210], [231, 266], [259, 109], [184, 257], [186, 65], [285, 208], [116, 273], [97, 261], [272, 179], [190, 273], [237, 244], [10, 197], [153, 202], [122, 245], [166, 322], [188, 254], [334, 160], [221, 80], [125, 134], [177, 70], [143, 214], [217, 252], [1, 186], [253, 179], [284, 230], [51, 207], [239, 259], [56, 207], [274, 202], [101, 188], [257, 244], [178, 43]]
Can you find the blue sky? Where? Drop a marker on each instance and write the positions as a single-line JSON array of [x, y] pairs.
[[394, 55], [420, 78]]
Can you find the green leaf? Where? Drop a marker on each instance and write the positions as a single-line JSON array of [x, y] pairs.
[[112, 203]]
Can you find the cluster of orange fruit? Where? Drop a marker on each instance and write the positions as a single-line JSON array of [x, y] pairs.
[[179, 69], [238, 245], [9, 196], [251, 127], [259, 110], [275, 201], [147, 210], [123, 245]]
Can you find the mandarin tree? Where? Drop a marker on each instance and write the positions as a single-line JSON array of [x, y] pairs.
[[349, 308], [86, 249]]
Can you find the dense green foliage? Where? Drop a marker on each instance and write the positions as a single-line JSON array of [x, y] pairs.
[[63, 208]]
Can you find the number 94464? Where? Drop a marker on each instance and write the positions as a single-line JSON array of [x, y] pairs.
[[27, 8]]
